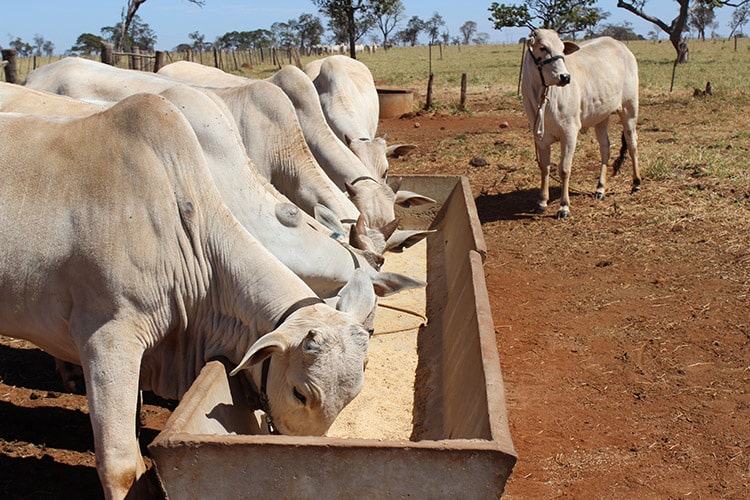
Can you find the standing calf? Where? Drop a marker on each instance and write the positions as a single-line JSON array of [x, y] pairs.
[[567, 88]]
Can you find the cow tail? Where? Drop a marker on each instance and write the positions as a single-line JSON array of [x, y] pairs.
[[621, 158]]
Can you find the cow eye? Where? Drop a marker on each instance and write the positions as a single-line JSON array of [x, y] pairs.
[[300, 397]]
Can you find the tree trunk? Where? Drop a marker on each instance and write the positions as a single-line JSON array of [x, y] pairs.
[[352, 39]]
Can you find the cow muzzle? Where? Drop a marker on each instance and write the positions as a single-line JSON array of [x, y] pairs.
[[564, 79]]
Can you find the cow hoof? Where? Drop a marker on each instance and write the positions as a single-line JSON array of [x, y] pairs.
[[563, 213], [599, 196], [635, 189], [540, 209]]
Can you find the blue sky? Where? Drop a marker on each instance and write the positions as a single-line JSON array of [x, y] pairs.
[[62, 21]]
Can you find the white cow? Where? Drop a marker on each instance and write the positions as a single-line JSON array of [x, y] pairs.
[[284, 159], [374, 199], [349, 99], [565, 90], [322, 262], [119, 255]]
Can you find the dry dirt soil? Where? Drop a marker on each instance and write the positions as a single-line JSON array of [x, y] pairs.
[[623, 332]]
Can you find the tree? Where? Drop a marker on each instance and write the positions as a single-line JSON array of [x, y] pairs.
[[467, 30], [349, 20], [739, 18], [199, 41], [701, 17], [87, 44], [129, 16], [482, 38], [22, 48], [387, 17], [139, 34], [410, 34], [676, 27], [309, 31], [622, 31], [567, 17], [48, 48], [43, 46], [284, 34], [432, 27]]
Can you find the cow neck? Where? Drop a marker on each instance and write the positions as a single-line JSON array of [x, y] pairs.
[[543, 99], [307, 301]]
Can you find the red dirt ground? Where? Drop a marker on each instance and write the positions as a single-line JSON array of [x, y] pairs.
[[623, 332]]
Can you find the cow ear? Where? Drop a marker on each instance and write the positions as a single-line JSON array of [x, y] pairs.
[[268, 344], [408, 199], [570, 47], [357, 297], [386, 283], [399, 150], [325, 216], [404, 239]]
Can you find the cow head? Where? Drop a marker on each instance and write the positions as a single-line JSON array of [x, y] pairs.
[[318, 357], [374, 199], [548, 53], [372, 153]]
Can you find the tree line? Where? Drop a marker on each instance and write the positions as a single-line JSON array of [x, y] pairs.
[[350, 21], [383, 21]]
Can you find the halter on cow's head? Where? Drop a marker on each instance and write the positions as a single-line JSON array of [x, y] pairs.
[[312, 364], [548, 53]]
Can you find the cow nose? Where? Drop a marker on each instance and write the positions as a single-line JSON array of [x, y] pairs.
[[564, 79]]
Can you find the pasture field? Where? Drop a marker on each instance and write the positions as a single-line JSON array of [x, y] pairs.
[[623, 332]]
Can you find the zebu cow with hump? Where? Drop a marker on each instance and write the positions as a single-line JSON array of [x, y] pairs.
[[322, 262], [119, 255], [284, 157], [373, 198], [350, 103], [567, 88]]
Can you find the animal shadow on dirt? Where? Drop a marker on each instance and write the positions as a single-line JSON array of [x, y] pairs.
[[29, 368], [516, 205], [41, 479]]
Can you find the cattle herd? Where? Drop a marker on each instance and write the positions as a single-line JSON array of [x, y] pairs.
[[153, 222]]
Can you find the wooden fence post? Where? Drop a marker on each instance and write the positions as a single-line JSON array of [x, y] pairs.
[[428, 102], [295, 55], [462, 105], [158, 61], [11, 66], [135, 58], [108, 53]]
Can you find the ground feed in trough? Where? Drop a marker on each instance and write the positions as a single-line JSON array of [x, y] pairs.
[[383, 410]]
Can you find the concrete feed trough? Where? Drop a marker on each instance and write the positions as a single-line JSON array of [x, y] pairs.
[[214, 445], [395, 102]]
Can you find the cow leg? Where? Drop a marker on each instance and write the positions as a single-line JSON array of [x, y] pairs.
[[603, 139], [631, 139], [111, 366], [543, 158], [567, 148]]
